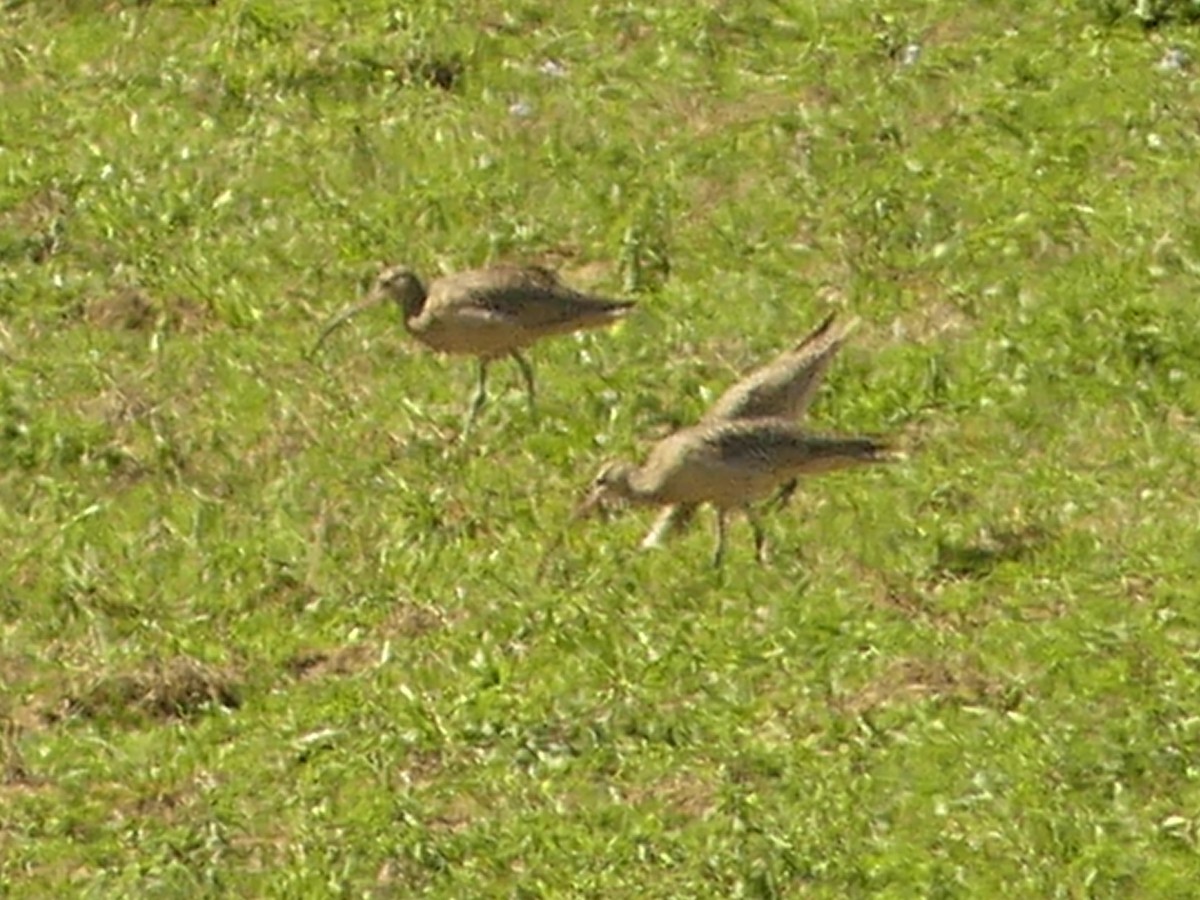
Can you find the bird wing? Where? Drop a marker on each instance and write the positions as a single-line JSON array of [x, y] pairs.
[[528, 297], [782, 447], [785, 386]]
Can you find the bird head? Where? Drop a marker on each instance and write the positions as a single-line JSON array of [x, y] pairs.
[[401, 285], [611, 482]]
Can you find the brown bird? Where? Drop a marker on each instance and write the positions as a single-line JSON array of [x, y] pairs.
[[783, 388], [730, 465], [486, 313]]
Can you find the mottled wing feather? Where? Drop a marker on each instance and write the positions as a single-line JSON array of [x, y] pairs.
[[737, 462], [781, 446], [528, 297], [763, 445], [786, 386]]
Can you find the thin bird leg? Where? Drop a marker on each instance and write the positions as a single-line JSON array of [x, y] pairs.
[[719, 556], [527, 374], [760, 536], [784, 494], [479, 397], [671, 520]]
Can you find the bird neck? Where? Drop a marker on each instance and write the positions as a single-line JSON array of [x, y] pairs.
[[413, 303], [639, 488]]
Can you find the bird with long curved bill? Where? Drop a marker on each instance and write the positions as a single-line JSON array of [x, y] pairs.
[[488, 313]]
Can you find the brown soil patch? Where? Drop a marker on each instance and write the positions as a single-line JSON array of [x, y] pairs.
[[41, 218], [682, 793], [132, 310], [407, 620], [915, 606], [180, 688], [412, 620], [958, 683], [993, 546], [308, 664], [458, 815]]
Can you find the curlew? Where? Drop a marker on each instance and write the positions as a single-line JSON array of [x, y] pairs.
[[731, 465], [783, 388], [487, 313]]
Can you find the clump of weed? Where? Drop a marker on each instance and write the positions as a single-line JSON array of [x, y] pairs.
[[13, 769], [1151, 13], [443, 72], [422, 69], [645, 259]]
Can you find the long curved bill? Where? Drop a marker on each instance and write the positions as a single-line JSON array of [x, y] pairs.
[[588, 505], [372, 299]]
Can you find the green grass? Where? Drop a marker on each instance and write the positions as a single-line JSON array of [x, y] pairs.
[[266, 629]]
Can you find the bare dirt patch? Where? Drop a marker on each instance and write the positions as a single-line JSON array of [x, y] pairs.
[[979, 557], [408, 620], [955, 682], [683, 793], [309, 664], [179, 688], [914, 605], [133, 310], [412, 620], [41, 221]]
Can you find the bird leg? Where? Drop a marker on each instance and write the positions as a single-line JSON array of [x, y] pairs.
[[784, 494], [719, 556], [760, 536], [527, 374], [672, 519], [479, 397]]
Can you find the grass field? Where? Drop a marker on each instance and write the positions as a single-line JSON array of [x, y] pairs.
[[268, 629]]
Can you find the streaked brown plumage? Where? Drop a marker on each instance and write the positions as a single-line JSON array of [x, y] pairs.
[[729, 464], [784, 387], [487, 313]]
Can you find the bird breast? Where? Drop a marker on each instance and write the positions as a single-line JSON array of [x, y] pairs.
[[466, 329], [682, 469]]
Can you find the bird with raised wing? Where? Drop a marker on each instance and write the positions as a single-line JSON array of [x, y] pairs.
[[487, 313], [784, 388], [730, 465]]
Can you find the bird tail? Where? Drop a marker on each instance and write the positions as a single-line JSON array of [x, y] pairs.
[[833, 453], [595, 312], [616, 308], [827, 336]]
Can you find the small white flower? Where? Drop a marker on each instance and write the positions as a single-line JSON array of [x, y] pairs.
[[553, 69]]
